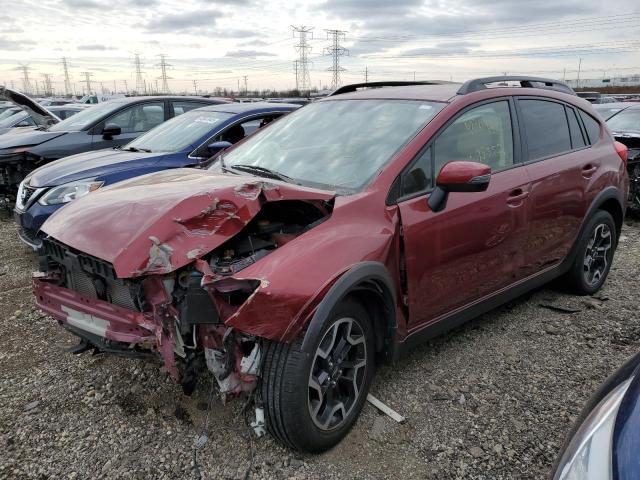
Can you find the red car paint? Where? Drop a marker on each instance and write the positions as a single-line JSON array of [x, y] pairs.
[[481, 244]]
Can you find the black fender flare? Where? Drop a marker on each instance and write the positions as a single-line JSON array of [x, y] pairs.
[[609, 193], [360, 273]]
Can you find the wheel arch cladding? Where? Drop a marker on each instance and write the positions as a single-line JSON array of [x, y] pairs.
[[369, 283], [612, 205]]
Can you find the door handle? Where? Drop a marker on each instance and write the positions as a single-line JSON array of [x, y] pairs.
[[588, 170], [516, 196]]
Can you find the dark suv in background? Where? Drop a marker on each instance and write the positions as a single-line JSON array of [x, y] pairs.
[[109, 124], [338, 237]]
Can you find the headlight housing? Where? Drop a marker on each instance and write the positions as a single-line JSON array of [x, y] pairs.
[[588, 456], [69, 191]]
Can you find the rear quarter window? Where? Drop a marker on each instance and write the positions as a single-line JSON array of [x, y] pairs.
[[592, 126], [577, 139]]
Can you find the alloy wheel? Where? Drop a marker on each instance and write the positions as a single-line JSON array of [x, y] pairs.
[[596, 256], [337, 374]]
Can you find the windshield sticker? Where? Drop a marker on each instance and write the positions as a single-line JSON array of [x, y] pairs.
[[426, 107]]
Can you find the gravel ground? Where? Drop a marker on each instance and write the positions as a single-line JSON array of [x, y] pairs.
[[490, 400]]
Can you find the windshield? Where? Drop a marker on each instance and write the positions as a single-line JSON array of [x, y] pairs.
[[85, 118], [13, 119], [626, 121], [339, 144], [179, 132], [608, 112]]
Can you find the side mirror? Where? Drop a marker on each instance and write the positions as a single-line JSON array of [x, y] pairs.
[[217, 147], [458, 176], [110, 130]]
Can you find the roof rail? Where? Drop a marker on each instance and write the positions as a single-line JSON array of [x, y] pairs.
[[525, 82], [354, 86]]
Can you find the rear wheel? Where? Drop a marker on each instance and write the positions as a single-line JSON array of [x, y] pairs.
[[594, 256], [312, 401]]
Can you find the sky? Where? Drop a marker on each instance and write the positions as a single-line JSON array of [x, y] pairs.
[[217, 43]]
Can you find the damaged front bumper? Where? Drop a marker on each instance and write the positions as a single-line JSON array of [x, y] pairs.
[[93, 316], [233, 358]]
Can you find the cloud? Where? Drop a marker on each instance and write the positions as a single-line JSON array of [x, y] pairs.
[[405, 21], [9, 44], [253, 43], [249, 54], [442, 48], [92, 4], [95, 47], [179, 22]]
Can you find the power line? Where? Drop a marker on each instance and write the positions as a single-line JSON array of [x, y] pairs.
[[26, 82], [336, 51], [140, 85], [48, 91], [163, 73], [67, 80], [301, 66], [87, 81], [564, 26]]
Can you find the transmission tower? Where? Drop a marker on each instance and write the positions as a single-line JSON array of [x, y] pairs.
[[67, 81], [140, 86], [195, 86], [336, 51], [26, 82], [163, 72], [301, 66], [87, 81], [48, 91]]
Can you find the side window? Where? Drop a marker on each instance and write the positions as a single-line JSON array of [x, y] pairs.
[[27, 121], [418, 177], [577, 139], [546, 128], [139, 118], [237, 132], [180, 107], [592, 127], [483, 134]]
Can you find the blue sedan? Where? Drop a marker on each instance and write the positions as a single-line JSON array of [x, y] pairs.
[[184, 141], [605, 441]]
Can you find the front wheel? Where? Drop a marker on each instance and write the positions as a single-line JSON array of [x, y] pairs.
[[594, 256], [312, 401]]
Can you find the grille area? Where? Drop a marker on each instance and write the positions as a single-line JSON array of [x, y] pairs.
[[88, 275]]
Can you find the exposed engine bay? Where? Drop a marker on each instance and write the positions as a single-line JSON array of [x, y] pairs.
[[181, 315], [632, 142]]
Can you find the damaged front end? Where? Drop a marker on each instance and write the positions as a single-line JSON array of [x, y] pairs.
[[180, 301]]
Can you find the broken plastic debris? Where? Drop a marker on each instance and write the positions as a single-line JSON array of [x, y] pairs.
[[385, 409], [258, 425]]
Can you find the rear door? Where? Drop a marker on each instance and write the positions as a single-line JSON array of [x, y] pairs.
[[133, 121], [474, 247], [560, 165]]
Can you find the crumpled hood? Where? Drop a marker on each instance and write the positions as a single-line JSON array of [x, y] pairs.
[[40, 115], [89, 165], [27, 138], [159, 222]]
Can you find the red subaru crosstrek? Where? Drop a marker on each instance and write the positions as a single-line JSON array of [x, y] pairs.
[[337, 237]]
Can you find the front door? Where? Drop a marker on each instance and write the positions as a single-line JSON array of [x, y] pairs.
[[133, 122], [474, 247]]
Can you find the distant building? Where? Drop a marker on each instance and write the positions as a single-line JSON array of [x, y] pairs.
[[626, 81]]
